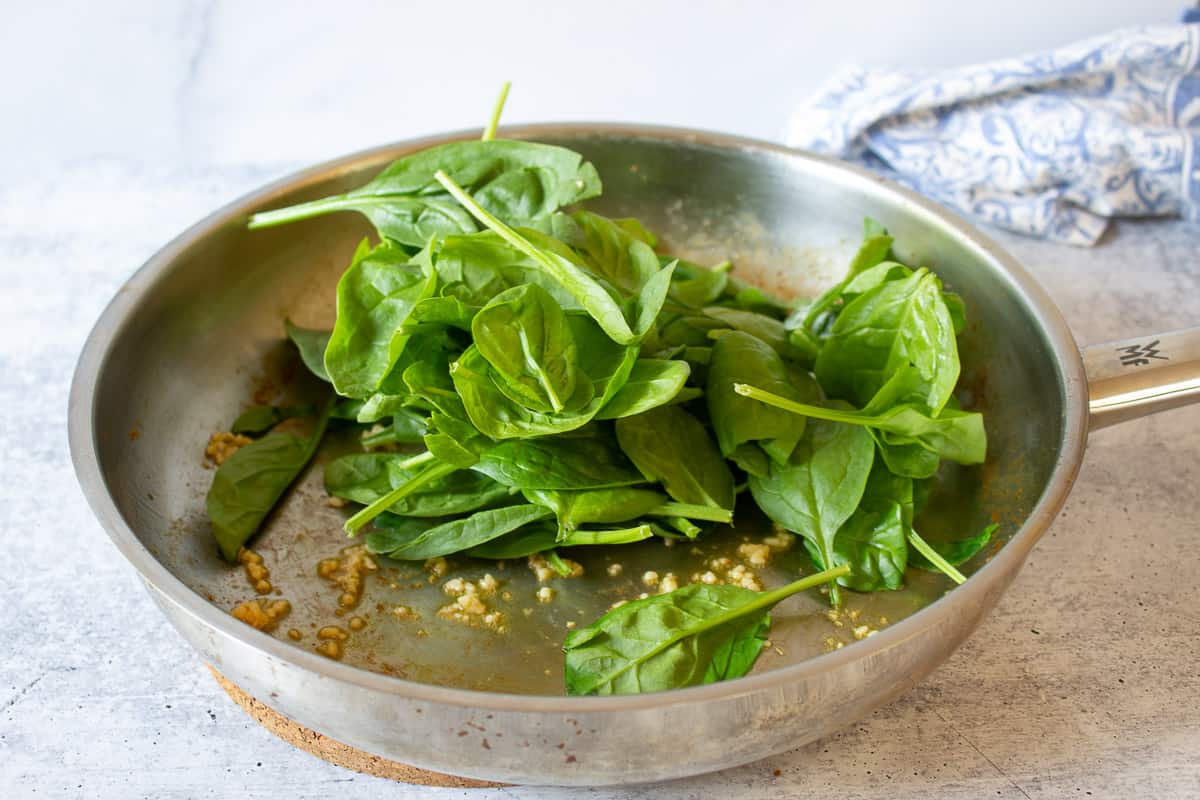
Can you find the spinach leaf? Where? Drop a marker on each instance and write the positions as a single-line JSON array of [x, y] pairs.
[[605, 506], [374, 298], [366, 477], [694, 635], [951, 553], [536, 537], [260, 419], [442, 310], [584, 462], [623, 258], [523, 183], [454, 440], [956, 435], [394, 532], [670, 446], [312, 345], [741, 358], [428, 349], [559, 263], [250, 482], [820, 487], [873, 545], [768, 330], [406, 427], [696, 286], [896, 325], [541, 536], [605, 367], [651, 383], [467, 532], [524, 335], [473, 269], [873, 542], [875, 248]]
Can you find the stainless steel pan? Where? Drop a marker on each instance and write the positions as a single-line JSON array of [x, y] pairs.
[[197, 331]]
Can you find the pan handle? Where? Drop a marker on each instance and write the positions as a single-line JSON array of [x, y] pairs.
[[1135, 377]]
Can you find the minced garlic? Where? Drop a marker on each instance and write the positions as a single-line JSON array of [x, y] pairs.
[[348, 573], [256, 571], [262, 614], [756, 555], [221, 446]]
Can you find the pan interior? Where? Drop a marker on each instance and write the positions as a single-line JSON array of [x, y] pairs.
[[205, 340]]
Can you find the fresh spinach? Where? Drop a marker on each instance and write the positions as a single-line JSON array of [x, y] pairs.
[[694, 635], [956, 435], [248, 485], [260, 419], [670, 446], [366, 477], [651, 383], [937, 556], [374, 298], [311, 344], [820, 487], [467, 532], [739, 358], [523, 334], [523, 183], [893, 326], [580, 462]]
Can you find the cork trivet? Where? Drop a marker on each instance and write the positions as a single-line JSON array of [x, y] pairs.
[[333, 751]]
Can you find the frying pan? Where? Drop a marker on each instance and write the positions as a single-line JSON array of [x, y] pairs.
[[196, 333]]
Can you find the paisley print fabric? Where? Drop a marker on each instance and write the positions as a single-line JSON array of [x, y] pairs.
[[1051, 145]]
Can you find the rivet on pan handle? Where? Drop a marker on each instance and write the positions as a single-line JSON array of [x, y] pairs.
[[1136, 377]]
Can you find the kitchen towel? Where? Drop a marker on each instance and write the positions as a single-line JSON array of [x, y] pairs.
[[1051, 145]]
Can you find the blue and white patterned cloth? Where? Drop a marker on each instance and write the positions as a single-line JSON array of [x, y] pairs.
[[1050, 145]]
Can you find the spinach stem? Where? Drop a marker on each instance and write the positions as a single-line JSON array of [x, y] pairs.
[[495, 225], [804, 410], [424, 478], [692, 511], [935, 557], [557, 564], [618, 536], [684, 526], [489, 132], [315, 208], [835, 591], [384, 436], [416, 461]]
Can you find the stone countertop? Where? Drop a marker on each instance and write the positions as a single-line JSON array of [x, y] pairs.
[[1081, 683]]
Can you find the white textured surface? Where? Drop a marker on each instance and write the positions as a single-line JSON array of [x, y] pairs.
[[121, 125]]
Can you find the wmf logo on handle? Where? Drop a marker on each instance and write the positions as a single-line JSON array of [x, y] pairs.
[[1139, 355]]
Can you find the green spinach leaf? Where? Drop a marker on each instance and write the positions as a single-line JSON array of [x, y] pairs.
[[524, 335], [250, 482], [467, 532], [652, 382], [670, 446], [742, 358], [523, 183], [898, 324], [374, 298], [312, 345], [581, 462], [820, 487], [694, 635]]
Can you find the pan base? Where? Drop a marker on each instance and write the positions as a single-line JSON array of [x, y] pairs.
[[337, 753]]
